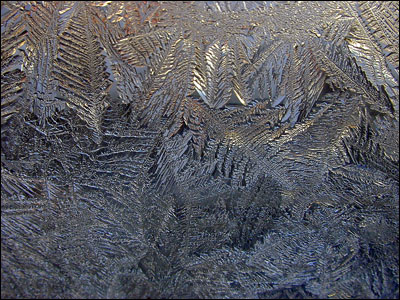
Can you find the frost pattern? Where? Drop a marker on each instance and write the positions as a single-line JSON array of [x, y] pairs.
[[218, 149]]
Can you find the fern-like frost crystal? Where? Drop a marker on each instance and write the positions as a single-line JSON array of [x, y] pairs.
[[200, 149]]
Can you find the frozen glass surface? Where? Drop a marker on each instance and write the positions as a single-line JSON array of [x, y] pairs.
[[212, 149]]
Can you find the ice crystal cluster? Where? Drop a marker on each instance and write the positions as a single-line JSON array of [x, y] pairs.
[[192, 149]]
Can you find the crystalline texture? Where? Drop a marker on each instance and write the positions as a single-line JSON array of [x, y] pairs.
[[218, 149]]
